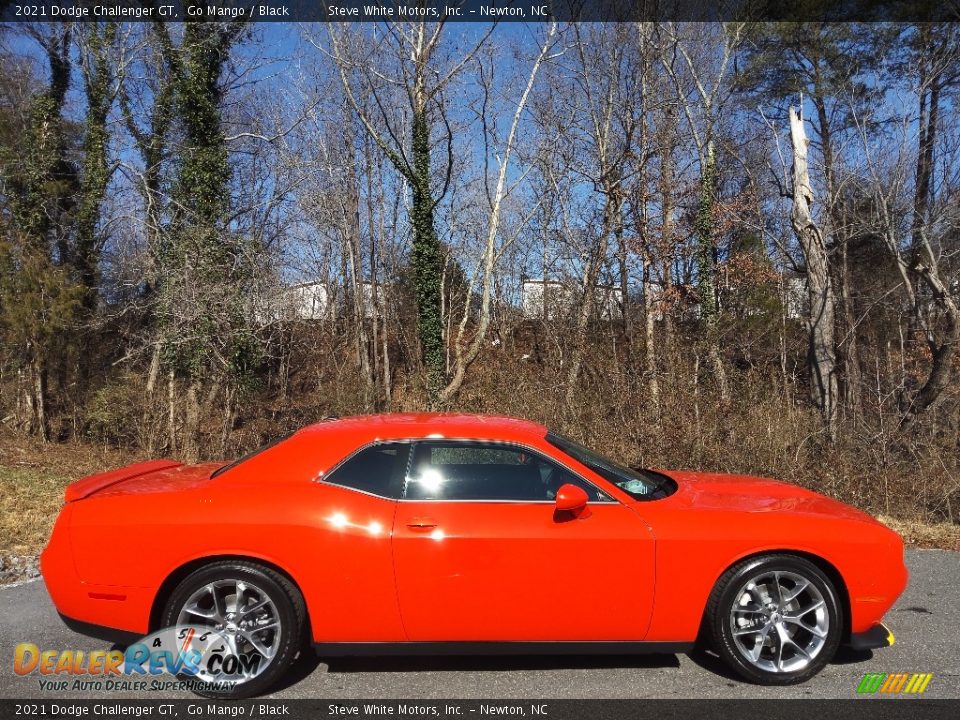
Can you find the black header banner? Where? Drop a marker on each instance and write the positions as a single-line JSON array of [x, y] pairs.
[[479, 10]]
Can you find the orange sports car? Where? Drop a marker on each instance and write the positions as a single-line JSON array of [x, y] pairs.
[[468, 534]]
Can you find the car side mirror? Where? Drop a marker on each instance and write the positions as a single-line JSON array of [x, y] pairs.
[[571, 501]]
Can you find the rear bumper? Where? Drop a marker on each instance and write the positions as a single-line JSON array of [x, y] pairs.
[[110, 606], [879, 636], [122, 638]]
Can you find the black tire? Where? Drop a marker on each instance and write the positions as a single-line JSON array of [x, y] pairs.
[[285, 597], [725, 594]]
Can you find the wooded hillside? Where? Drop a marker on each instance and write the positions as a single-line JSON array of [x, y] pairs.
[[721, 246]]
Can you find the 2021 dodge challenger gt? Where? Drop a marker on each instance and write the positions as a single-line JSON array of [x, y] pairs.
[[468, 534]]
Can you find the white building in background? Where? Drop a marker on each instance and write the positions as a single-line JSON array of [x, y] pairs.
[[307, 301], [541, 299], [313, 301], [300, 302], [555, 299]]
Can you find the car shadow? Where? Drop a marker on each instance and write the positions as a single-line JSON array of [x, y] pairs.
[[711, 662], [427, 663], [849, 656], [308, 662], [301, 669], [305, 664]]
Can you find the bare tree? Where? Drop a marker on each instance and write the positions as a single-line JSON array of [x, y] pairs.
[[422, 77], [606, 104], [821, 349], [465, 353], [700, 72], [923, 250], [657, 123]]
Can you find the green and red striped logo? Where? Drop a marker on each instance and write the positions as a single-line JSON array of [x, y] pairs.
[[894, 683]]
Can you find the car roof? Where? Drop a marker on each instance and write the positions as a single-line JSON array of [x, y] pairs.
[[387, 426]]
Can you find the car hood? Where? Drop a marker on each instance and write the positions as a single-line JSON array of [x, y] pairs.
[[748, 494]]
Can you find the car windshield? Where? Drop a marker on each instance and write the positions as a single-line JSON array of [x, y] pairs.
[[637, 483]]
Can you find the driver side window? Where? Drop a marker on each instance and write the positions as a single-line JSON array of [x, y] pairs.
[[446, 470]]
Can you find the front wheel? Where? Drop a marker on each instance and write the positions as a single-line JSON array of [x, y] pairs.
[[775, 619], [256, 614]]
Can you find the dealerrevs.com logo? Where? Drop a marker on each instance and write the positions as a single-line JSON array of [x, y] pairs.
[[894, 683], [199, 657]]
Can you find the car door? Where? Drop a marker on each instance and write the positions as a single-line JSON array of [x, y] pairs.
[[480, 554], [356, 504]]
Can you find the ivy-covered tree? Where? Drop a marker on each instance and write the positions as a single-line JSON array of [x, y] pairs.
[[98, 71], [421, 72], [43, 183], [152, 135], [37, 293], [205, 266]]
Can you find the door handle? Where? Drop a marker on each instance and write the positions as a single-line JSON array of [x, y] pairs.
[[421, 524]]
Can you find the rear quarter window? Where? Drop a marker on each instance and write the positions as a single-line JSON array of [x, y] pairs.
[[377, 470]]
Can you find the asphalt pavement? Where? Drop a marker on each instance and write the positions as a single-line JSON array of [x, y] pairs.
[[926, 622]]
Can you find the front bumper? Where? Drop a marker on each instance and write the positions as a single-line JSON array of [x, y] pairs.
[[878, 636]]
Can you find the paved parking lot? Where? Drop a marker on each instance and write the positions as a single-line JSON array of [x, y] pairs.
[[926, 622]]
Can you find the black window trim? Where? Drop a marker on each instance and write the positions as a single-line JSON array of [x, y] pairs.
[[610, 500], [411, 448], [395, 482]]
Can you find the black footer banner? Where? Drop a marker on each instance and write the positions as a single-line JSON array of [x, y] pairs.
[[200, 709]]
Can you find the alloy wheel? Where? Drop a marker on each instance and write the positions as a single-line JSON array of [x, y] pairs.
[[779, 621], [244, 615]]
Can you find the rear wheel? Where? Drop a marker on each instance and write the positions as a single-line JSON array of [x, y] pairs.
[[257, 611], [775, 619]]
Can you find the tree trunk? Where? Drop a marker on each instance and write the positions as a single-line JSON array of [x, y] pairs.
[[622, 259], [706, 275], [355, 266], [929, 115], [925, 264], [849, 347], [463, 359], [375, 239], [427, 261], [39, 372], [650, 349], [848, 355], [191, 424], [387, 389], [666, 189], [941, 363], [589, 289], [706, 281], [821, 349], [923, 268], [172, 412], [98, 78]]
